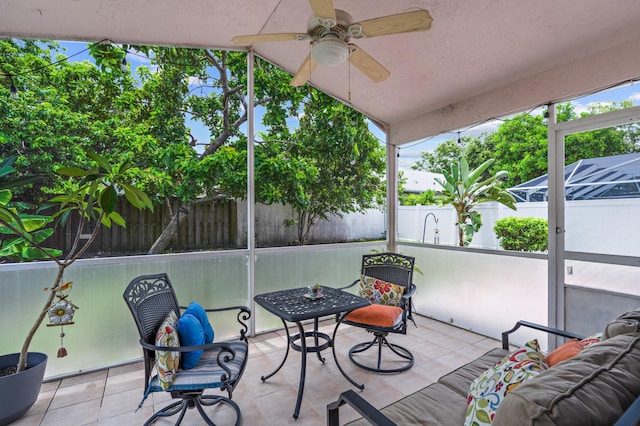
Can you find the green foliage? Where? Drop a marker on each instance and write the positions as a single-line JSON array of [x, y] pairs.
[[450, 150], [519, 145], [93, 194], [20, 230], [424, 199], [332, 165], [69, 108], [464, 189], [522, 233]]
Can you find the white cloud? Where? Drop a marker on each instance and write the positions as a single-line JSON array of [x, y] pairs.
[[635, 97]]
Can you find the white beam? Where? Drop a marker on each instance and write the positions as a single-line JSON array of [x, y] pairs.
[[581, 77]]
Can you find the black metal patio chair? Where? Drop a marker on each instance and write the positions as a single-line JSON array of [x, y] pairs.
[[387, 281], [152, 300]]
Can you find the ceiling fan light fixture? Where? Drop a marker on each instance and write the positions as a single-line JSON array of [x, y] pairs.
[[330, 51]]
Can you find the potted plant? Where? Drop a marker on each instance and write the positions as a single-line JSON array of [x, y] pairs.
[[92, 195]]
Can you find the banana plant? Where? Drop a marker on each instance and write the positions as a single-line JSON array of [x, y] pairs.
[[93, 196], [465, 189]]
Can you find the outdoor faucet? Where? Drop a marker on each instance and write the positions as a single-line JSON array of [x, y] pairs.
[[436, 233]]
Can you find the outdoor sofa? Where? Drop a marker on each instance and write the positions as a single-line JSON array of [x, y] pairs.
[[600, 385]]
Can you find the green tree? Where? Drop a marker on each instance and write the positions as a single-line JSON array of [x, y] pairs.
[[330, 165], [464, 189], [344, 164], [102, 106], [450, 150], [61, 110], [519, 145]]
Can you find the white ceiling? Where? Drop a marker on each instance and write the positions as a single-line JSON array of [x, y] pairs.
[[481, 58]]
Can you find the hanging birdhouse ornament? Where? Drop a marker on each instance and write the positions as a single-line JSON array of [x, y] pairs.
[[61, 314]]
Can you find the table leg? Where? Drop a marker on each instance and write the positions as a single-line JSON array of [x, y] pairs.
[[286, 354], [303, 369], [335, 358], [315, 339]]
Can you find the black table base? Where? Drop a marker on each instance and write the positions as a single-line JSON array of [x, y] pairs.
[[291, 306]]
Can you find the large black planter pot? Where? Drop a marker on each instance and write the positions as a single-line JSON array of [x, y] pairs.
[[19, 391]]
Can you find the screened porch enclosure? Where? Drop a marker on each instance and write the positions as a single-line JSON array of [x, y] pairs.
[[441, 81]]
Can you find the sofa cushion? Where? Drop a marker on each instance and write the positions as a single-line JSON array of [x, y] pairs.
[[434, 405], [627, 323], [460, 379], [593, 388]]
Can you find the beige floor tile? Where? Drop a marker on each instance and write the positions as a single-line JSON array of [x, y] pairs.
[[30, 419], [84, 378], [110, 397], [83, 413], [75, 394], [118, 403], [123, 382]]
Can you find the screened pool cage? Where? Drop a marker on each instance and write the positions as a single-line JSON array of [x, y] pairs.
[[617, 176]]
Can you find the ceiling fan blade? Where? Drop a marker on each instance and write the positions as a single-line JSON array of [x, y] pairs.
[[304, 72], [258, 38], [419, 20], [369, 66], [323, 8]]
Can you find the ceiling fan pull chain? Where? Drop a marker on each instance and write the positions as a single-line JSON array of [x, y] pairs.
[[349, 77]]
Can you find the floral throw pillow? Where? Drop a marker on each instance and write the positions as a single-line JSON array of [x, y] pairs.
[[493, 385], [379, 291], [167, 362]]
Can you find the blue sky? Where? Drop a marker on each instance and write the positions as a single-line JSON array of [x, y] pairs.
[[409, 153]]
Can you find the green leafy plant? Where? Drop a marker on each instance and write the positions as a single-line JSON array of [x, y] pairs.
[[464, 189], [93, 196], [522, 233]]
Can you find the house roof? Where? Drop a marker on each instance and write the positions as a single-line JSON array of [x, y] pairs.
[[480, 59], [616, 176]]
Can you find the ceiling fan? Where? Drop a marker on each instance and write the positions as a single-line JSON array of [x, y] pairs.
[[329, 32]]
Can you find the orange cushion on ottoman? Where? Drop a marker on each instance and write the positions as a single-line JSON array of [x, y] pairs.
[[376, 314]]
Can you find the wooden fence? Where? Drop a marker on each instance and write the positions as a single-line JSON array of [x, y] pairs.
[[210, 224]]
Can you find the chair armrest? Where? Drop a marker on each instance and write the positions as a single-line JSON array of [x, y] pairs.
[[410, 291], [556, 331], [358, 403], [350, 285], [228, 308], [244, 313]]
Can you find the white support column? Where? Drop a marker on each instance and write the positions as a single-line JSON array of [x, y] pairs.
[[251, 238], [392, 196], [555, 157]]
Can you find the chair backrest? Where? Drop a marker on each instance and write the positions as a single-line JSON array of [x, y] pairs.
[[391, 267], [150, 299]]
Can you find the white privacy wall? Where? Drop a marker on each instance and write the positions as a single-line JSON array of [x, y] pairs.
[[593, 226]]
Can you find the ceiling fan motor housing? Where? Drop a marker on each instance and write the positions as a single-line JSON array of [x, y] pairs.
[[330, 38]]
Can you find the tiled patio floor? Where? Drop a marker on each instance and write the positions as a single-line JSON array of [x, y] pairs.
[[110, 397]]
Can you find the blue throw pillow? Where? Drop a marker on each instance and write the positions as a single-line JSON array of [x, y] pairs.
[[198, 311], [190, 333]]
